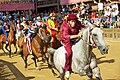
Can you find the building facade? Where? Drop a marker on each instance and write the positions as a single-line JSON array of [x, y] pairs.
[[47, 5], [13, 5]]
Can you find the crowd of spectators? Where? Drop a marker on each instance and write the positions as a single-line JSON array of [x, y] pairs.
[[107, 15]]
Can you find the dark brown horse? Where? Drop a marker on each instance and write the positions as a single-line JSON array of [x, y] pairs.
[[39, 45], [11, 40]]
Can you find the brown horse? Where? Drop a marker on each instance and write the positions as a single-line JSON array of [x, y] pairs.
[[11, 40], [38, 45]]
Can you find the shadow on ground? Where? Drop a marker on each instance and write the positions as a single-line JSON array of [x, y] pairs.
[[9, 72]]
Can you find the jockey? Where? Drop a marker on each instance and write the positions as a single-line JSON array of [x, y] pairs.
[[1, 26], [18, 29], [52, 27], [6, 29], [70, 31], [24, 26], [28, 36], [39, 22]]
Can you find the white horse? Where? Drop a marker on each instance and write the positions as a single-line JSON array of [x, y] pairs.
[[83, 59]]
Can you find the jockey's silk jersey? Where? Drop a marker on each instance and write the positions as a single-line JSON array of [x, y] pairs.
[[30, 30], [7, 27], [38, 24], [18, 26], [67, 31], [51, 24]]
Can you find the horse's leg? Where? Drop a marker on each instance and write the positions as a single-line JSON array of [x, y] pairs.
[[95, 68], [89, 73], [10, 50], [62, 74], [6, 47], [34, 58], [51, 64], [15, 45], [25, 60], [53, 72], [3, 49], [45, 56], [24, 55], [61, 71]]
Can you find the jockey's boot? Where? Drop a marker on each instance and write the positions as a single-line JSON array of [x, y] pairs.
[[30, 52], [6, 42], [67, 74]]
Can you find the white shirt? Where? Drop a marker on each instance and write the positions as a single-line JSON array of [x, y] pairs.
[[100, 6], [115, 6], [107, 13], [115, 13]]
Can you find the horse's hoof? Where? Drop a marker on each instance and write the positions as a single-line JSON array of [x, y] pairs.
[[67, 78], [38, 60], [25, 69], [37, 68], [55, 74], [10, 56], [98, 78], [15, 53], [43, 60]]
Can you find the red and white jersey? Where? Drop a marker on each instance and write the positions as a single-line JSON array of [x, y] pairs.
[[18, 26], [38, 24]]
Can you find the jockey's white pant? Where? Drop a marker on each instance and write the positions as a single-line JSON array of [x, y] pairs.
[[29, 43], [17, 34]]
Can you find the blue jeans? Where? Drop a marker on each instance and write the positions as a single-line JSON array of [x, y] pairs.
[[6, 34]]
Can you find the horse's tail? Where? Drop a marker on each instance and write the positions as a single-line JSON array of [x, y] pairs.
[[51, 50]]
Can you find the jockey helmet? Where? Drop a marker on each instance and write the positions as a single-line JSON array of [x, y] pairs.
[[24, 19], [39, 18], [52, 15], [71, 17], [18, 21]]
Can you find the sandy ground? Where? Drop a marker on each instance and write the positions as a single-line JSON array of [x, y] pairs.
[[13, 69]]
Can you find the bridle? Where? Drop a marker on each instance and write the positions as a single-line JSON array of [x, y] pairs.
[[40, 34], [90, 38]]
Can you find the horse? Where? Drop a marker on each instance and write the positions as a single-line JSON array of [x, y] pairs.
[[11, 40], [39, 45], [83, 59]]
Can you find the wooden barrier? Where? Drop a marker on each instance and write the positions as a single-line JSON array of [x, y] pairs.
[[111, 33]]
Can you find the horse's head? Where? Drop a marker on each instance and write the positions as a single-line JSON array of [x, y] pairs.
[[97, 40], [43, 35]]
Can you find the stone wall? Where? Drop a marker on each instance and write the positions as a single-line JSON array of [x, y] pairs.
[[111, 33]]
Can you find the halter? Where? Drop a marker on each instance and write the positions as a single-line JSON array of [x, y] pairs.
[[90, 40]]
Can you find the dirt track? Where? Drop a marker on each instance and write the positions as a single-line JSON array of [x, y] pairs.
[[13, 69]]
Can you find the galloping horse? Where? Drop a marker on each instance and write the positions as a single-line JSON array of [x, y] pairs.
[[83, 59], [11, 40], [38, 45]]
